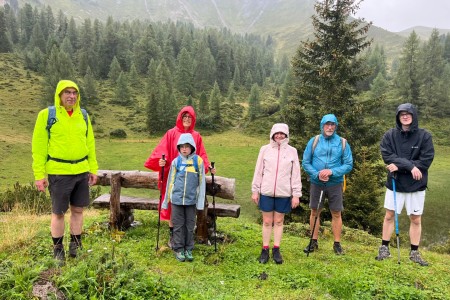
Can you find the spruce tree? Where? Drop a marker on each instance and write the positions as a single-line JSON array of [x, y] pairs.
[[326, 72], [254, 103], [184, 73], [215, 98], [122, 91], [90, 89], [407, 79], [114, 70], [5, 44], [203, 105]]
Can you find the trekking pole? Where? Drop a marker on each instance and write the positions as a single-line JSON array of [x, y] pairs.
[[315, 221], [214, 207], [160, 203], [396, 217]]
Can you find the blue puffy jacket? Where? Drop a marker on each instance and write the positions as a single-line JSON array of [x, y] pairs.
[[327, 155]]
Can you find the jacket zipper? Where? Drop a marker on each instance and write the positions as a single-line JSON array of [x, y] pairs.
[[276, 173]]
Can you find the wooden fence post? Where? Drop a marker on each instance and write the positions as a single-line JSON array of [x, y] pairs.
[[115, 200]]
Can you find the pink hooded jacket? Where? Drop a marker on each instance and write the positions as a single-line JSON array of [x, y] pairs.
[[277, 171]]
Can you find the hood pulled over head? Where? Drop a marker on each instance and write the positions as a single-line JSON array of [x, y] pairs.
[[279, 127], [190, 110], [410, 108], [62, 85], [186, 138], [328, 118]]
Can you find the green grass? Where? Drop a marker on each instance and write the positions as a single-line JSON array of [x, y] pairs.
[[114, 264]]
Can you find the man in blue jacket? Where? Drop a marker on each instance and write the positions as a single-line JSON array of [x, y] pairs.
[[408, 152], [327, 158]]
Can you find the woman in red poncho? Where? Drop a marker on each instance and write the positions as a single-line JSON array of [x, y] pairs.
[[168, 146]]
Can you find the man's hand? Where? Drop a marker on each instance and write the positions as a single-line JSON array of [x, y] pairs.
[[92, 179], [325, 174], [416, 174], [392, 168], [41, 184]]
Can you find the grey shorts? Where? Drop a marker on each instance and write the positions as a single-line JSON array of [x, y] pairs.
[[332, 193], [68, 189]]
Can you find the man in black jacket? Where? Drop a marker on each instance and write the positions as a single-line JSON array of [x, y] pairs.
[[408, 152]]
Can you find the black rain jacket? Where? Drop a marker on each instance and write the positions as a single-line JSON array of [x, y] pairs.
[[407, 149]]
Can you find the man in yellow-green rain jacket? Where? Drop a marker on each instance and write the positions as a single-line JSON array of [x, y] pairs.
[[66, 155]]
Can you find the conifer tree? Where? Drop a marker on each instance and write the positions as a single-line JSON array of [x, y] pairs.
[[5, 44], [190, 101], [114, 70], [215, 98], [184, 73], [231, 93], [122, 91], [254, 102], [90, 89], [134, 76], [203, 105], [433, 94], [407, 78], [326, 72], [58, 66]]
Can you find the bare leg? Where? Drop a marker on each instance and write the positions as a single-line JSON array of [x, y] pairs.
[[57, 225], [312, 217], [278, 228], [388, 225], [267, 227], [336, 225], [415, 229], [76, 220]]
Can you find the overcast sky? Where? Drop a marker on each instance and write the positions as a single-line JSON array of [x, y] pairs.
[[398, 15]]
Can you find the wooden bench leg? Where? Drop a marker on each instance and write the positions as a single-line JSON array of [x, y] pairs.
[[201, 234]]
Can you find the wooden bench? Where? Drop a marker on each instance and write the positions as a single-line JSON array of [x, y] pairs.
[[121, 207]]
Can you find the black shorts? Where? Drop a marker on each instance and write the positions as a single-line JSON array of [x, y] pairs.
[[68, 189], [332, 193]]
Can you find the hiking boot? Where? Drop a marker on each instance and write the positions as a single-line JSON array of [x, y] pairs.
[[311, 248], [180, 256], [383, 253], [59, 254], [414, 256], [264, 257], [276, 255], [73, 247], [338, 249], [188, 255]]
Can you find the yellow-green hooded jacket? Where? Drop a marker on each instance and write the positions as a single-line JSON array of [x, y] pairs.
[[68, 140]]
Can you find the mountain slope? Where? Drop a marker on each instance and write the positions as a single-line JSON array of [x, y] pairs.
[[287, 21]]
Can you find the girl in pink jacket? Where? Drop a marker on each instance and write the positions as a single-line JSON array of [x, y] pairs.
[[276, 187]]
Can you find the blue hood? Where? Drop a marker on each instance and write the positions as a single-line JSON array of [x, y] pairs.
[[186, 138], [328, 118]]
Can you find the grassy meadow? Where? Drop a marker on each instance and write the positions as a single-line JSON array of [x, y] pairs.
[[125, 265]]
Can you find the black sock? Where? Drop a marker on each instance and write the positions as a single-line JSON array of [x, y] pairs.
[[76, 238], [171, 230], [58, 240], [414, 247], [314, 240], [385, 243], [337, 243]]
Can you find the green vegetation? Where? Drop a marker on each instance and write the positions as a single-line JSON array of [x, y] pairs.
[[136, 75]]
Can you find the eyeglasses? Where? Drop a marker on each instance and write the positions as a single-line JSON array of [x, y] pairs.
[[187, 117], [68, 93], [405, 115], [330, 124]]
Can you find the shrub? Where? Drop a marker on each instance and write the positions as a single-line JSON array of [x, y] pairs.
[[118, 134]]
